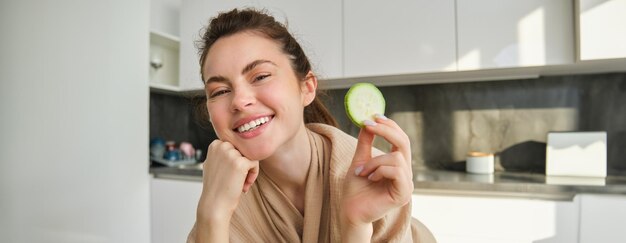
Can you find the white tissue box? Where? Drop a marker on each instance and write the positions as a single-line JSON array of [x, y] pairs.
[[576, 154]]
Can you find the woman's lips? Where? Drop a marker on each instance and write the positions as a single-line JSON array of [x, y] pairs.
[[252, 124], [250, 132]]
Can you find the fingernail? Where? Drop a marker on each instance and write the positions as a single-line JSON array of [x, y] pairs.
[[381, 116], [369, 123], [370, 176], [358, 170]]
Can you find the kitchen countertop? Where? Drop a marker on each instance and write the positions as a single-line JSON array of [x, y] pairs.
[[499, 184], [515, 184]]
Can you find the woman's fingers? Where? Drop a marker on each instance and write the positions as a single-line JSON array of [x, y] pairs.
[[363, 150], [391, 159], [226, 164], [251, 177], [402, 184], [390, 131], [393, 173]]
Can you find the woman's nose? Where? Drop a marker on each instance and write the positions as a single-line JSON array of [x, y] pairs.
[[242, 99]]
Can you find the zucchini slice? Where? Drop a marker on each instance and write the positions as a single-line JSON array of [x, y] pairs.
[[363, 101]]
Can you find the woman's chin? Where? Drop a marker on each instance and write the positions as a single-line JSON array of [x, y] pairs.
[[255, 155]]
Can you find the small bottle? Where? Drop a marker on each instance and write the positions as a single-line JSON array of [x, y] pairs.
[[199, 155], [171, 153]]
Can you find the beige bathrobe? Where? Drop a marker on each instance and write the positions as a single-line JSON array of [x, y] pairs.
[[265, 214]]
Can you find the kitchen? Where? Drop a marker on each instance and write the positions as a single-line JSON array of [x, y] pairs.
[[468, 84]]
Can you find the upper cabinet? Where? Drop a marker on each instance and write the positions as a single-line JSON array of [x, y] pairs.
[[194, 15], [420, 41], [164, 44], [601, 29], [164, 63], [381, 38], [165, 16], [511, 33], [316, 25]]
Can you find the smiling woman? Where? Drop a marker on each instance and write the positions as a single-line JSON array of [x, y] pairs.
[[302, 179]]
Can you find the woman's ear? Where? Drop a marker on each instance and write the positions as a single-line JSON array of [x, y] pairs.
[[308, 88]]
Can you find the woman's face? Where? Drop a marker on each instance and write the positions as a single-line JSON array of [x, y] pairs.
[[254, 99]]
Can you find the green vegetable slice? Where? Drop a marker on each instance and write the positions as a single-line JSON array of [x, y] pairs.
[[363, 101]]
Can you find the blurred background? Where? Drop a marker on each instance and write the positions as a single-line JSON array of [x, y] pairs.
[[100, 141]]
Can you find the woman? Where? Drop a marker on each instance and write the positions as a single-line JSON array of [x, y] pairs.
[[302, 179]]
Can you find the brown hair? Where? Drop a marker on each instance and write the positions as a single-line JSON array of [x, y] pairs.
[[235, 21]]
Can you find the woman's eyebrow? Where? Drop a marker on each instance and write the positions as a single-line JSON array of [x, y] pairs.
[[246, 69], [220, 79], [253, 64]]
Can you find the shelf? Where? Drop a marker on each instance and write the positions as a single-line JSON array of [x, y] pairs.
[[164, 87], [164, 39], [164, 51], [174, 90]]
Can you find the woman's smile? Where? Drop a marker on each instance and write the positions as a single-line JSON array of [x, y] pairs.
[[252, 127]]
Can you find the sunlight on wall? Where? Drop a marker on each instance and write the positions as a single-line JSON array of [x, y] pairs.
[[412, 123], [471, 60], [493, 130], [531, 38]]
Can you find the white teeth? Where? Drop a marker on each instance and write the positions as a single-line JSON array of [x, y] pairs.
[[252, 124]]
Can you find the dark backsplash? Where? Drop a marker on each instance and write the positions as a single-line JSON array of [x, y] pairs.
[[172, 118], [510, 118], [444, 121]]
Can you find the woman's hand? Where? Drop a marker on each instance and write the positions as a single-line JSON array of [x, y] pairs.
[[226, 174], [375, 186]]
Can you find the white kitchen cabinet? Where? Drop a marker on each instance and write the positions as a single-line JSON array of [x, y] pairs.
[[490, 219], [316, 25], [510, 33], [165, 16], [601, 29], [173, 208], [164, 44], [404, 37], [194, 15], [164, 63], [602, 218]]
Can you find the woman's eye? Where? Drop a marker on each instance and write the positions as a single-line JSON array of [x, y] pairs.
[[261, 77], [218, 93]]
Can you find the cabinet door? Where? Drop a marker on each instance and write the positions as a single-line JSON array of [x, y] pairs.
[[173, 208], [602, 218], [511, 33], [316, 25], [484, 219], [164, 16], [602, 25], [404, 37], [195, 15]]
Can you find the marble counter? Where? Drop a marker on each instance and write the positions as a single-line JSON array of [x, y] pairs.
[[510, 184]]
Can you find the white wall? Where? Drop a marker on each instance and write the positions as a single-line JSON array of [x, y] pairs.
[[74, 121]]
